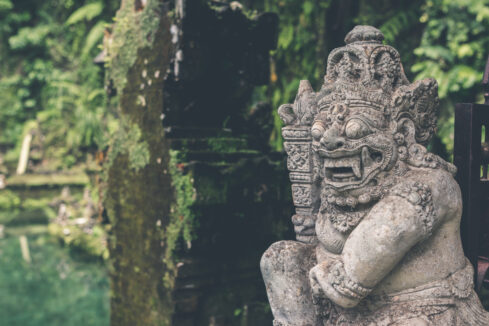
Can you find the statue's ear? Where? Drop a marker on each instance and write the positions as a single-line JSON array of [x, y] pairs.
[[418, 102]]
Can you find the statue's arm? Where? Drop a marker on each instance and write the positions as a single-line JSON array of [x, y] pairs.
[[377, 244]]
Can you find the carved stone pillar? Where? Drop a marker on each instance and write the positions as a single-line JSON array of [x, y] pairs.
[[297, 145]]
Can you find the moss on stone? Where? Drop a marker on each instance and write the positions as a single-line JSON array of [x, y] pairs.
[[132, 31], [182, 217], [128, 141]]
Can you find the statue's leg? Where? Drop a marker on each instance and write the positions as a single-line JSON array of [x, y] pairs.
[[285, 268]]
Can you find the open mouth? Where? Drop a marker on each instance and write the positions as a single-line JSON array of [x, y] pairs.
[[351, 168], [343, 169]]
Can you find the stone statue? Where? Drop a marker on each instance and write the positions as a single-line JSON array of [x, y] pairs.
[[377, 215]]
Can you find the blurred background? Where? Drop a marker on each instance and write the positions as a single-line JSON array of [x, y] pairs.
[[57, 121]]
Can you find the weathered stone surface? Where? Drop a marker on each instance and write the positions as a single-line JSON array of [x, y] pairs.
[[377, 215]]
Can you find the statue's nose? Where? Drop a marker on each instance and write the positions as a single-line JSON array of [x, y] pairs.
[[332, 140]]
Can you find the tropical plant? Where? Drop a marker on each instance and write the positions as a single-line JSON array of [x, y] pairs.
[[47, 75]]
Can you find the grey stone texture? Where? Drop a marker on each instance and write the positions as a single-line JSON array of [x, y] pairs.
[[377, 215]]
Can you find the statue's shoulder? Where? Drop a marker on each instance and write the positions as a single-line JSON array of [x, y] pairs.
[[431, 170], [433, 177], [435, 188]]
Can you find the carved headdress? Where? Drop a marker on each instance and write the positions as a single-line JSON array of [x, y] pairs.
[[367, 73]]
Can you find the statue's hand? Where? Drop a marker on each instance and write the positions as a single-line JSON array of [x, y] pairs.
[[322, 278], [322, 304], [318, 295], [305, 228]]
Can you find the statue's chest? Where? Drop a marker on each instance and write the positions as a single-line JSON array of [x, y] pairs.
[[333, 227]]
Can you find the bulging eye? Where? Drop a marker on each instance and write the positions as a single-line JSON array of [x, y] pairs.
[[356, 129], [317, 130]]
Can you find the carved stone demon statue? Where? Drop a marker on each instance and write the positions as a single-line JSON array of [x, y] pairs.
[[377, 216]]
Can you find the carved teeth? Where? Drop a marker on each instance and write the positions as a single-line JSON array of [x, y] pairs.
[[366, 159], [344, 162], [343, 169], [350, 168], [356, 167]]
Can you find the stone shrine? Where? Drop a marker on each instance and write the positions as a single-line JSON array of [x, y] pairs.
[[377, 215]]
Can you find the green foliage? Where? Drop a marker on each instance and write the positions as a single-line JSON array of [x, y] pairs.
[[8, 200], [310, 29], [30, 37], [93, 37], [182, 220], [453, 50], [441, 39], [47, 75], [86, 12], [300, 41], [5, 5], [398, 23]]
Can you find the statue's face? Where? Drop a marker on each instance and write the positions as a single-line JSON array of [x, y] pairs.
[[354, 143]]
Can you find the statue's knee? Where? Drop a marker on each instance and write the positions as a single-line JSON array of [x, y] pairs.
[[272, 257], [285, 255]]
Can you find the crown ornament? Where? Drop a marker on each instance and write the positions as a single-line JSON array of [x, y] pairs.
[[367, 73]]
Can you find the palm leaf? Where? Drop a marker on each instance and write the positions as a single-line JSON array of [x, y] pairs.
[[86, 12]]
